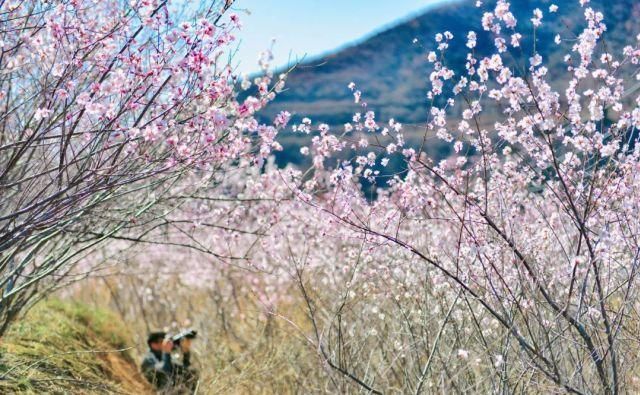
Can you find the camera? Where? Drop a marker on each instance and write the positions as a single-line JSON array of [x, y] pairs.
[[186, 334]]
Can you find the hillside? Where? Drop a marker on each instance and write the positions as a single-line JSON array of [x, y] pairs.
[[392, 72], [68, 348]]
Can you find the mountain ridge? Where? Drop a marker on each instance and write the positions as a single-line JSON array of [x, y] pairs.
[[392, 72]]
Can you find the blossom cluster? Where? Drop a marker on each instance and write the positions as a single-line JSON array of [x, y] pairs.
[[516, 257]]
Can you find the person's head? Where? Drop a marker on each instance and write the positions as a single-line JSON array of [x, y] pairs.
[[154, 341]]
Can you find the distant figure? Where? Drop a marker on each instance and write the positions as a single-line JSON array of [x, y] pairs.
[[166, 375]]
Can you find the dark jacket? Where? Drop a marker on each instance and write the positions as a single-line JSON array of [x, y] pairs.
[[162, 372], [158, 369]]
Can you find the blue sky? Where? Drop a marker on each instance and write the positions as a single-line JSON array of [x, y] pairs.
[[312, 27]]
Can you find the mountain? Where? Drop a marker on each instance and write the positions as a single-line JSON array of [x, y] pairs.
[[392, 71]]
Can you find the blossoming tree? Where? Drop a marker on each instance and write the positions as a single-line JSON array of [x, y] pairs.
[[509, 266], [106, 106], [531, 225]]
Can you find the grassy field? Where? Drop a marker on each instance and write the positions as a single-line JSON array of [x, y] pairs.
[[62, 347]]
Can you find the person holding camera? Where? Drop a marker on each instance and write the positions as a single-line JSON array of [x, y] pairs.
[[158, 367]]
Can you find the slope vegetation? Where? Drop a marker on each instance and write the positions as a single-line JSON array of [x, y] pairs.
[[68, 349]]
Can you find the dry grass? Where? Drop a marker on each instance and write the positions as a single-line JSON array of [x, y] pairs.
[[62, 347], [243, 346]]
